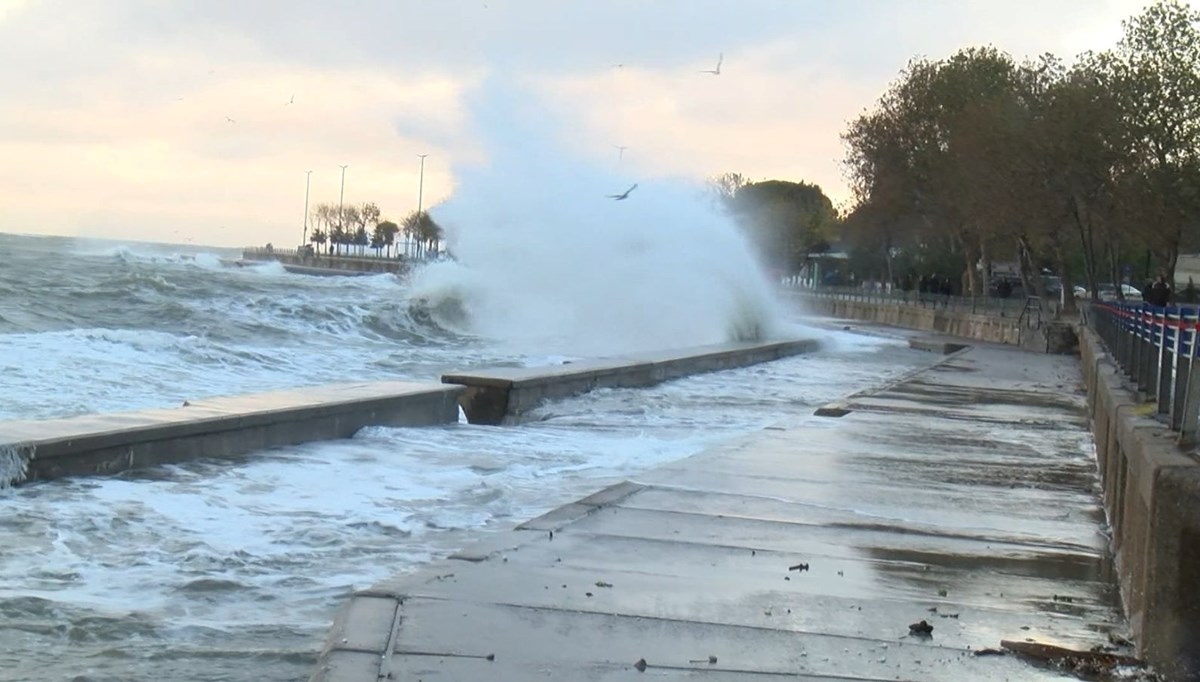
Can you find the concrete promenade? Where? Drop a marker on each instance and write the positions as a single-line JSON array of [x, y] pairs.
[[965, 496]]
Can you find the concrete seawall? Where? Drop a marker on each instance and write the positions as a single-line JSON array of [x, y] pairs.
[[216, 427], [493, 396], [1031, 333], [1152, 496]]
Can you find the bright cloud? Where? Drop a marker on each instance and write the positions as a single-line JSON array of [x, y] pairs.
[[115, 115]]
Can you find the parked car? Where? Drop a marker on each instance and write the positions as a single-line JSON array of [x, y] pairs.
[[1108, 292]]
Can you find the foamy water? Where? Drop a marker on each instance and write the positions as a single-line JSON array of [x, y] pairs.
[[233, 569]]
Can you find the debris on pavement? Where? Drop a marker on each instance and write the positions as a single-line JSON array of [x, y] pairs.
[[923, 629]]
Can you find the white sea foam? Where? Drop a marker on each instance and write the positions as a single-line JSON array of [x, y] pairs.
[[546, 260]]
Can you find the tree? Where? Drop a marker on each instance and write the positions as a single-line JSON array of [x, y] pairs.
[[1157, 85], [787, 220], [385, 234], [424, 231], [319, 237]]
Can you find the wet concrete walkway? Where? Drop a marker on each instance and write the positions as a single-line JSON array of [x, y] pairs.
[[964, 495]]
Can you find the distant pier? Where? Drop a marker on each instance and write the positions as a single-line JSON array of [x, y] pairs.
[[306, 261]]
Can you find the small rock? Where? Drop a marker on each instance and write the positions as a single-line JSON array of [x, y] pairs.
[[942, 593], [640, 665], [587, 594], [921, 628], [490, 657], [601, 583]]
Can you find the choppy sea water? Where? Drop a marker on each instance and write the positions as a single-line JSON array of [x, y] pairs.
[[233, 569]]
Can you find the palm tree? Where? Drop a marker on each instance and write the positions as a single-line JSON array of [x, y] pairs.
[[424, 231]]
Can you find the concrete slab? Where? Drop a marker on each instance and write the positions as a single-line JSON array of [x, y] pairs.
[[221, 427], [806, 550], [493, 396]]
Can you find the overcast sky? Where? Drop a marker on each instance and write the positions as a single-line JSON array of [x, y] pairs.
[[115, 114]]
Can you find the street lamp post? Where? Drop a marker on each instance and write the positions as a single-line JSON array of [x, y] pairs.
[[341, 196], [420, 195], [307, 182]]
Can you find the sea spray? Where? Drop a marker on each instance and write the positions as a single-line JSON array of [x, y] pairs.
[[14, 463], [548, 259]]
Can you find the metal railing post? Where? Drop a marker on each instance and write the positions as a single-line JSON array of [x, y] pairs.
[[1166, 359], [1190, 410]]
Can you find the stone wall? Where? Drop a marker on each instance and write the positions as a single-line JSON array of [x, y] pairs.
[[1046, 336], [1152, 496]]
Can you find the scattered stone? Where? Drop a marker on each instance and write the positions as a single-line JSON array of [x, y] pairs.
[[798, 567], [601, 583], [947, 615], [588, 594], [786, 577], [922, 628], [551, 535], [841, 574], [942, 593], [753, 553], [1087, 664], [640, 665], [1063, 598]]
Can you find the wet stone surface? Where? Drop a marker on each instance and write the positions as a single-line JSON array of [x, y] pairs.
[[936, 518]]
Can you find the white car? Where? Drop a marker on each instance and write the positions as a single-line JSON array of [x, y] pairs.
[[1108, 292]]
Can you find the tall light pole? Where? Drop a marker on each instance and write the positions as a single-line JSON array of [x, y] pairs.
[[420, 193], [307, 182], [341, 196]]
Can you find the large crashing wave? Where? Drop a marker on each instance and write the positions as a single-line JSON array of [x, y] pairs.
[[545, 258]]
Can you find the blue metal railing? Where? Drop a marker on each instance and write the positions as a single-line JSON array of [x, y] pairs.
[[1157, 349]]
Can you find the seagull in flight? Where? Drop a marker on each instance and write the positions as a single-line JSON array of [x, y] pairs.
[[229, 120], [623, 196], [716, 71], [291, 101], [620, 151]]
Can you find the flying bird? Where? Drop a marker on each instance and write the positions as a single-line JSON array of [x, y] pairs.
[[291, 101], [229, 120], [716, 71], [623, 196], [620, 151]]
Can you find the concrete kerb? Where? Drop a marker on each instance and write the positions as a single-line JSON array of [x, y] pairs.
[[842, 406], [497, 396], [220, 427]]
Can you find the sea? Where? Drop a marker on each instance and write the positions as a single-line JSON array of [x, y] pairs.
[[233, 569]]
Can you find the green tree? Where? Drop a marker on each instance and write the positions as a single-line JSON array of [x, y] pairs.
[[787, 220], [1157, 86], [385, 234]]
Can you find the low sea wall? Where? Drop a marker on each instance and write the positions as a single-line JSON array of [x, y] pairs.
[[1008, 325], [493, 396], [215, 427], [1152, 496], [311, 263]]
